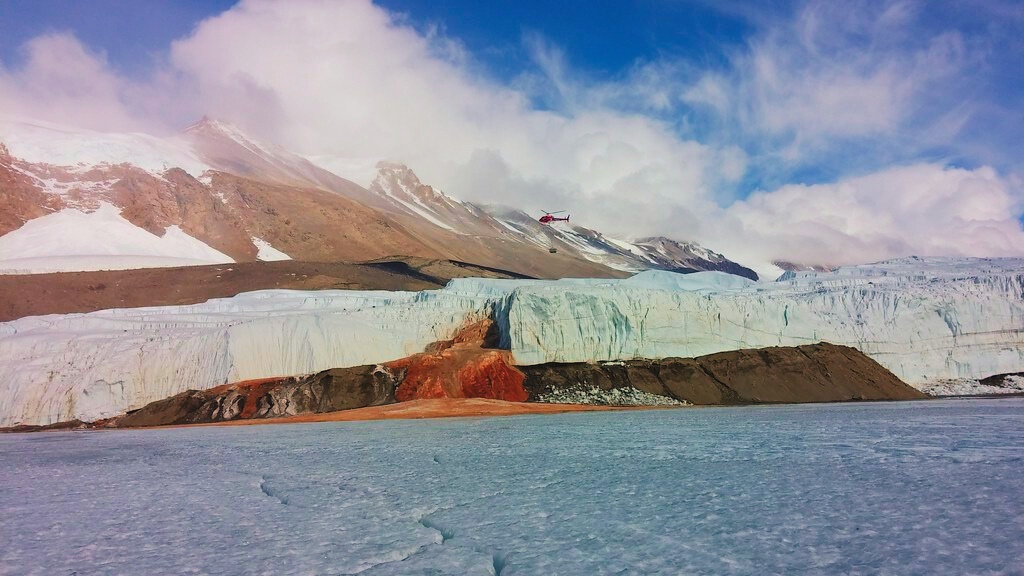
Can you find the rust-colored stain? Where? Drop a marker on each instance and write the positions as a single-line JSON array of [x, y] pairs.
[[461, 368]]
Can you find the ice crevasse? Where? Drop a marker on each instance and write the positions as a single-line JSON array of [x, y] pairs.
[[924, 319]]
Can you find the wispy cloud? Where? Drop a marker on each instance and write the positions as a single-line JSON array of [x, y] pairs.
[[63, 81]]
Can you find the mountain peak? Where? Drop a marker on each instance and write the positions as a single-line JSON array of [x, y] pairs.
[[393, 166], [212, 126]]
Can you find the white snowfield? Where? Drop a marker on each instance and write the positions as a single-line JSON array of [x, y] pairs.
[[74, 240], [923, 319], [266, 252]]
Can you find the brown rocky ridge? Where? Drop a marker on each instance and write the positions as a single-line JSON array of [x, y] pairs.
[[820, 372]]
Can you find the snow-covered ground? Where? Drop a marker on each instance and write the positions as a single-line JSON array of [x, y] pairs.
[[56, 242], [924, 320], [628, 396], [268, 253], [879, 488]]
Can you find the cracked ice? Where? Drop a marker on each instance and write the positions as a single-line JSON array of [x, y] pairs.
[[922, 487]]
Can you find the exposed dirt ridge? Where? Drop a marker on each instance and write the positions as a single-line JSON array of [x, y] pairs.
[[70, 292], [820, 372]]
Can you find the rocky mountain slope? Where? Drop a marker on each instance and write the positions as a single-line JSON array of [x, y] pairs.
[[809, 373], [79, 200]]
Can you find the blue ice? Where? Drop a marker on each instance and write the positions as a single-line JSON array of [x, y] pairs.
[[875, 488]]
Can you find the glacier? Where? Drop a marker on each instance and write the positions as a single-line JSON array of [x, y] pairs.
[[923, 319], [91, 366]]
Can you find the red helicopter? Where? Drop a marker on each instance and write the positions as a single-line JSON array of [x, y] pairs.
[[548, 217]]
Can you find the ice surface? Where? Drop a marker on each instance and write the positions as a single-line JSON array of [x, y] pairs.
[[924, 320], [712, 281], [54, 243], [881, 488]]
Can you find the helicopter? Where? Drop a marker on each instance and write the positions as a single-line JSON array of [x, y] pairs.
[[549, 217]]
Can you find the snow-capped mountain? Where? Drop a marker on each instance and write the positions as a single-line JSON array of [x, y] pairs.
[[657, 253], [399, 186], [102, 201]]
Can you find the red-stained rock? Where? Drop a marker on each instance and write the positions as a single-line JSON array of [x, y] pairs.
[[424, 376], [461, 368], [492, 377]]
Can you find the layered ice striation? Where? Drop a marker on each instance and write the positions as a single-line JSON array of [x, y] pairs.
[[90, 366], [923, 319]]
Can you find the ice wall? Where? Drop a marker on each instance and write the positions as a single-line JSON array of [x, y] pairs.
[[922, 319], [90, 366]]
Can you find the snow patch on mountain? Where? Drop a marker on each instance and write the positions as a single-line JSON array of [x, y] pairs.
[[400, 185], [76, 240], [628, 256], [268, 253]]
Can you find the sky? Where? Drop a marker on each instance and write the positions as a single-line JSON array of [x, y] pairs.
[[816, 132]]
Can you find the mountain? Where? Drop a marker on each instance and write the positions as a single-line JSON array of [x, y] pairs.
[[80, 200]]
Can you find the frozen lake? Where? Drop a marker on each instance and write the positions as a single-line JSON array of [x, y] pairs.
[[900, 488]]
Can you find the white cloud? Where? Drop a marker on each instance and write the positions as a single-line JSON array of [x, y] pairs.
[[62, 81], [837, 72], [346, 78], [924, 209]]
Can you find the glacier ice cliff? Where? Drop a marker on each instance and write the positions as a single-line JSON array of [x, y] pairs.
[[923, 319], [100, 364]]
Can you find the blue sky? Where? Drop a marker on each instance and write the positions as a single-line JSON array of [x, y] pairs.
[[672, 112], [605, 37], [132, 33]]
